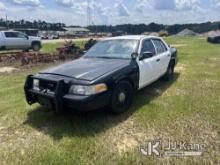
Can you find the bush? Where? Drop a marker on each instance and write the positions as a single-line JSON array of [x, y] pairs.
[[163, 33]]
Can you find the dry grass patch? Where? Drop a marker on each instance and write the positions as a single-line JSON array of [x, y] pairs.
[[8, 69]]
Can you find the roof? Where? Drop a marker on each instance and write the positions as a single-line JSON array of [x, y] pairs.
[[76, 29], [131, 37], [3, 28], [26, 29]]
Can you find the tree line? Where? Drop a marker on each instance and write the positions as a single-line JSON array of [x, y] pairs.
[[127, 28], [36, 24], [153, 27]]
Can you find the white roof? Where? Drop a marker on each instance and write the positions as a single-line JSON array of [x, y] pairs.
[[76, 29], [131, 37]]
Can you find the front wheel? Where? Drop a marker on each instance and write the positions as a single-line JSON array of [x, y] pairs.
[[121, 98]]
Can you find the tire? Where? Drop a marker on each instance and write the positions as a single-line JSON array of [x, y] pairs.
[[121, 98], [26, 50], [36, 47], [169, 73]]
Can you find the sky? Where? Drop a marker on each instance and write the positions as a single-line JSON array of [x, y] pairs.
[[112, 12]]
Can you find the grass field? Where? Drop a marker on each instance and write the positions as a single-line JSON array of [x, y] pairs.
[[184, 109], [51, 47]]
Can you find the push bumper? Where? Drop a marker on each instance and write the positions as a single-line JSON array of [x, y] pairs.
[[60, 99]]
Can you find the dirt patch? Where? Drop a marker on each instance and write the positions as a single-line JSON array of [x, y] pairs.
[[8, 69], [180, 68], [127, 137], [179, 45]]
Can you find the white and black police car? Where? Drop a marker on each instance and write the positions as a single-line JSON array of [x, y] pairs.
[[108, 74]]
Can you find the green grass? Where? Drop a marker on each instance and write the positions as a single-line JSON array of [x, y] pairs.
[[184, 109], [51, 47]]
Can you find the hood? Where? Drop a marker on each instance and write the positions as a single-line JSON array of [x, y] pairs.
[[34, 38], [87, 68]]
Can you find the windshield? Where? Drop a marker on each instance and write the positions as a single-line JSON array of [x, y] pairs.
[[113, 49]]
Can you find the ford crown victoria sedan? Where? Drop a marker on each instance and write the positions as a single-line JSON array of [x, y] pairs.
[[107, 75]]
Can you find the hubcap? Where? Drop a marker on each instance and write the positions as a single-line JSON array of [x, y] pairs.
[[36, 47], [122, 97]]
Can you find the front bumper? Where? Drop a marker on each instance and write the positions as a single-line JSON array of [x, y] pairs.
[[61, 100]]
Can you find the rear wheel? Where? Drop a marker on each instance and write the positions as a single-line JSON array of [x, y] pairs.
[[36, 46], [170, 72], [122, 97]]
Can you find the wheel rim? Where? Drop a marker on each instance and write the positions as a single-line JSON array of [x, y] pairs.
[[36, 47], [122, 97]]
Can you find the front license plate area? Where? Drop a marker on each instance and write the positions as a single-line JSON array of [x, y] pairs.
[[45, 102]]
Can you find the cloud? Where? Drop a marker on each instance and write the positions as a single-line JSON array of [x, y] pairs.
[[165, 4], [143, 5], [188, 4], [32, 3], [66, 3], [216, 4], [121, 9], [2, 6], [114, 11]]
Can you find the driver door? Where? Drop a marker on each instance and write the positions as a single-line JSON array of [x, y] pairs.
[[149, 70]]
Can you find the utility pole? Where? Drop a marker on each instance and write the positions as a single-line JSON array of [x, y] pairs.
[[88, 13], [6, 18]]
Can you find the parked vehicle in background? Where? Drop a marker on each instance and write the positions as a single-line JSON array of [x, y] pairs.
[[17, 40], [55, 37], [44, 37], [108, 74], [215, 39]]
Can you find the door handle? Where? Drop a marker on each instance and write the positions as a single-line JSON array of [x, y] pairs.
[[158, 60]]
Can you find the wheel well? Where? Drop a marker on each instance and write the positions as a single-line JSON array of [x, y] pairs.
[[35, 42], [2, 48], [129, 81], [172, 62]]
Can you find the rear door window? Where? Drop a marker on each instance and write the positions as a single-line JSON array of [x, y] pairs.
[[20, 35], [160, 47]]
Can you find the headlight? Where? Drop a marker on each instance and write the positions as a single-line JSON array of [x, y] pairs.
[[36, 84], [87, 90]]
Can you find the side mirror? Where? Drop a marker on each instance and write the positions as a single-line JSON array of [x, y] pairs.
[[27, 37], [145, 55], [134, 56]]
